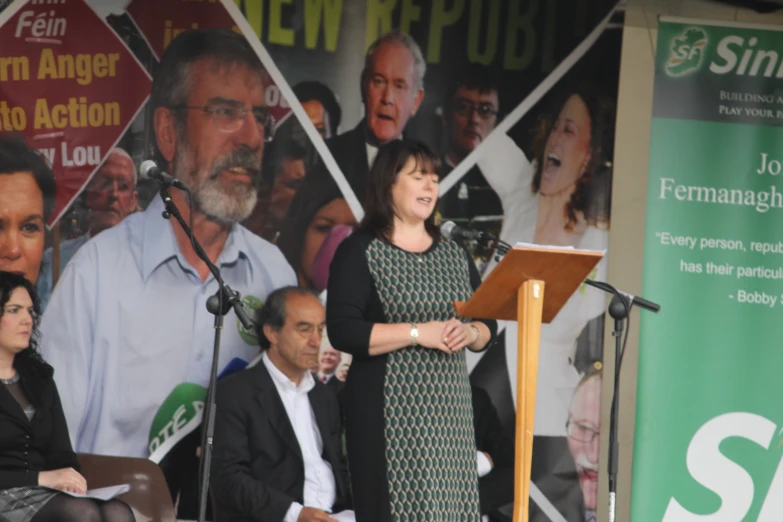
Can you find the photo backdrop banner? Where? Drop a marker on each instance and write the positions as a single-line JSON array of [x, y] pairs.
[[518, 100]]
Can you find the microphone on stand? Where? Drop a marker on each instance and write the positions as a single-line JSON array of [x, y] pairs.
[[641, 302], [630, 299], [619, 310], [451, 230], [218, 305], [234, 302], [150, 170]]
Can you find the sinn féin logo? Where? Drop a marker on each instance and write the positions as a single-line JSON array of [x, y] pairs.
[[252, 304], [687, 52]]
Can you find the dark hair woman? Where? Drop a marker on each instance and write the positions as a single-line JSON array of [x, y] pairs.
[[408, 413], [37, 463], [570, 156], [317, 207]]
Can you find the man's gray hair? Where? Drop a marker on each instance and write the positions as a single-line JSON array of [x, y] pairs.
[[124, 153], [173, 80], [396, 36]]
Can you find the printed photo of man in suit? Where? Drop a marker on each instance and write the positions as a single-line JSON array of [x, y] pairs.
[[278, 455], [392, 91], [328, 362], [392, 84]]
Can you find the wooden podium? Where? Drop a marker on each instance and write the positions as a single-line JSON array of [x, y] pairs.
[[514, 291]]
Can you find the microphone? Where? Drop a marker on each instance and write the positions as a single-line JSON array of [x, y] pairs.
[[231, 300], [451, 230], [179, 414], [234, 365], [616, 307], [641, 302], [149, 170]]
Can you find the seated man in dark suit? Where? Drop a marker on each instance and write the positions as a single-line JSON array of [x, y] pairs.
[[278, 455]]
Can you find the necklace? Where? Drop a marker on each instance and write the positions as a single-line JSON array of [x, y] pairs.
[[418, 256], [12, 380]]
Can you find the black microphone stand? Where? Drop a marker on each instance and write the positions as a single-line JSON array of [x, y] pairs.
[[500, 246], [218, 305], [619, 309]]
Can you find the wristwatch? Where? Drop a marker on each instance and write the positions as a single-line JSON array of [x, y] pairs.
[[414, 334]]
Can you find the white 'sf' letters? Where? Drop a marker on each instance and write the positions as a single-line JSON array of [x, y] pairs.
[[727, 479]]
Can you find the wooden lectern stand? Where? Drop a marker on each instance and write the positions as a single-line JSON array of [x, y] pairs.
[[514, 291]]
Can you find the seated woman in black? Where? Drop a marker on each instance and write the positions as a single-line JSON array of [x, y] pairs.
[[36, 458]]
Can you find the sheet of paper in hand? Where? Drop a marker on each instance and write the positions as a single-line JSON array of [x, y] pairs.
[[107, 493]]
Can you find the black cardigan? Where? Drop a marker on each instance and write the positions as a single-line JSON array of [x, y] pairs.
[[27, 448]]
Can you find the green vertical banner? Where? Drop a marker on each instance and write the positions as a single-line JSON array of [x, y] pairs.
[[709, 413]]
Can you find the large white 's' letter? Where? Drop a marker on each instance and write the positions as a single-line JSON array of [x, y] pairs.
[[710, 468]]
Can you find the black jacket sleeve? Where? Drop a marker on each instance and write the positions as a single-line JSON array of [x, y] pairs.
[[349, 295], [42, 445], [475, 282], [59, 454], [17, 479], [337, 428], [497, 487]]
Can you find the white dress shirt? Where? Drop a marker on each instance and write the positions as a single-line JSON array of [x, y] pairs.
[[484, 465], [372, 151], [46, 275], [320, 488]]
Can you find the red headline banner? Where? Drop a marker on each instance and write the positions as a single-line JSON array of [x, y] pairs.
[[69, 85]]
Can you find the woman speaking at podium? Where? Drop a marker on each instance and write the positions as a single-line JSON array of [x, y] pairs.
[[408, 414]]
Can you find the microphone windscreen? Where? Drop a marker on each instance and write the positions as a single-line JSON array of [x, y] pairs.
[[181, 413], [447, 228], [234, 365], [177, 417], [145, 167]]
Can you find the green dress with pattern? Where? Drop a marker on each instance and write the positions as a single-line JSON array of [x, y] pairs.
[[409, 417]]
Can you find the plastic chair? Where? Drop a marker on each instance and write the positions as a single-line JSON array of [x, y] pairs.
[[149, 496]]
